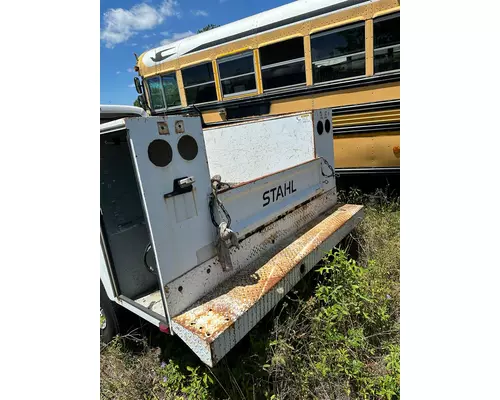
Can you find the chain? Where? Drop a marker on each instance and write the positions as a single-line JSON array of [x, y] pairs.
[[330, 167], [226, 237], [214, 200]]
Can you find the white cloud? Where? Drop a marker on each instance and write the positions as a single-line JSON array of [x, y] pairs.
[[130, 70], [176, 36], [199, 13], [168, 8], [166, 33], [120, 25], [117, 72], [131, 85]]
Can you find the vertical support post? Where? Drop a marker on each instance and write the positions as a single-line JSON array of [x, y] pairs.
[[308, 60], [369, 47], [218, 90], [258, 72], [180, 86]]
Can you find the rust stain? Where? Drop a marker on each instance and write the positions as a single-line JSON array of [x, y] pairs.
[[179, 126], [220, 309], [395, 150], [163, 128]]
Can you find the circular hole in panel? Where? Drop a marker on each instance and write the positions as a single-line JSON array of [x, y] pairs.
[[180, 288], [327, 126], [160, 152], [319, 127], [302, 268], [187, 147]]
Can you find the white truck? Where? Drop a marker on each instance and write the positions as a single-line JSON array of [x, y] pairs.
[[203, 232]]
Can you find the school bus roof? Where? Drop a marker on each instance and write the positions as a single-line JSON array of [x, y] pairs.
[[272, 19]]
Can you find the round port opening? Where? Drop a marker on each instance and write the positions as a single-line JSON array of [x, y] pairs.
[[160, 153], [187, 147]]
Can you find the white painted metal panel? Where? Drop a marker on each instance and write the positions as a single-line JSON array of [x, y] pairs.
[[247, 151], [180, 225], [255, 203]]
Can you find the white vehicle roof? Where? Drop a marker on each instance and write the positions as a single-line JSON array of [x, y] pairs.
[[118, 111], [288, 14], [112, 116]]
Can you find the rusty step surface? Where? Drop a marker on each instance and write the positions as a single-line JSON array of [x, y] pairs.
[[214, 324]]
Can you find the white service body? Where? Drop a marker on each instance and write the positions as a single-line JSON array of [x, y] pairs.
[[281, 203]]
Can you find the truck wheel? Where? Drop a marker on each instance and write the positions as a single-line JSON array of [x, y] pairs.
[[109, 320]]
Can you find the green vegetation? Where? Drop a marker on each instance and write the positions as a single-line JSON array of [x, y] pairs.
[[137, 103], [335, 336], [207, 28]]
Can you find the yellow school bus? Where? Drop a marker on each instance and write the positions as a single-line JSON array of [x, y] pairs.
[[343, 54]]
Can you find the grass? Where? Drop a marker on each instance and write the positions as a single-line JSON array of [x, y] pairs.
[[335, 336]]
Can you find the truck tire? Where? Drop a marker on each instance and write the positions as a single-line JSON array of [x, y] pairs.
[[109, 317]]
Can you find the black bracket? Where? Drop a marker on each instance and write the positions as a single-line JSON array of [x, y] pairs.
[[178, 189]]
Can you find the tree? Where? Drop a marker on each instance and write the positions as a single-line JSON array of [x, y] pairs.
[[137, 103], [207, 28]]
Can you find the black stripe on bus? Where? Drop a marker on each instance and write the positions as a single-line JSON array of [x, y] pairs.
[[376, 127], [274, 25], [236, 115], [308, 90], [366, 107], [369, 170]]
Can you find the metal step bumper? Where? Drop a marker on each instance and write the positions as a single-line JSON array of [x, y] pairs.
[[213, 325]]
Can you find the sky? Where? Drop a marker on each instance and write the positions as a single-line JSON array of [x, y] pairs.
[[131, 26]]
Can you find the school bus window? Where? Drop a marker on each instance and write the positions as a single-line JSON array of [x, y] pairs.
[[386, 47], [156, 93], [199, 83], [237, 74], [171, 90], [164, 90], [338, 53], [282, 64]]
